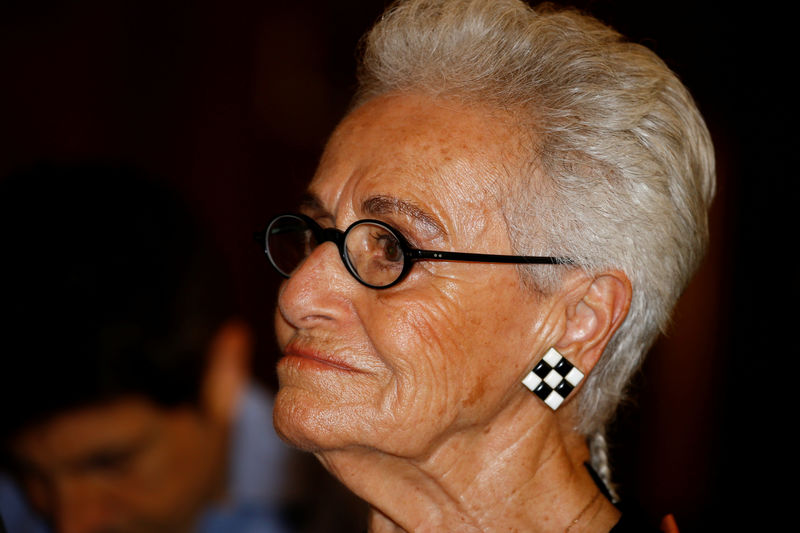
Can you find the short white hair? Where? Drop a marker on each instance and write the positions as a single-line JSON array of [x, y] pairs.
[[623, 159]]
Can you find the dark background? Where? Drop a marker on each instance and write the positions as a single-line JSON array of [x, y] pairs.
[[232, 101]]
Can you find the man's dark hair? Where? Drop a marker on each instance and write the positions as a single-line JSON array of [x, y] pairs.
[[107, 289]]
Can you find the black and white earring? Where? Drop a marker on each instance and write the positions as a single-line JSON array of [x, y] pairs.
[[553, 378]]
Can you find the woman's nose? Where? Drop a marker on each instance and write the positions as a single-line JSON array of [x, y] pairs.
[[318, 291]]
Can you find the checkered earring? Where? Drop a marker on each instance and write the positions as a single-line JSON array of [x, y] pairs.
[[553, 378]]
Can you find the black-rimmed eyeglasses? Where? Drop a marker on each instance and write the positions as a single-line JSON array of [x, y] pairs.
[[375, 253]]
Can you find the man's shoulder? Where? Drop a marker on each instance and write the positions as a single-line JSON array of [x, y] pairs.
[[15, 514]]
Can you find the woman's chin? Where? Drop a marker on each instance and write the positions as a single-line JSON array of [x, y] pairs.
[[302, 421]]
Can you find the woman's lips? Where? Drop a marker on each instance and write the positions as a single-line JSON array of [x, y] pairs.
[[317, 357]]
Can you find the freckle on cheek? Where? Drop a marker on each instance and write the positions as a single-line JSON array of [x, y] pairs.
[[477, 393]]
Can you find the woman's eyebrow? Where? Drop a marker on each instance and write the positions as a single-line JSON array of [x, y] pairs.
[[387, 205]]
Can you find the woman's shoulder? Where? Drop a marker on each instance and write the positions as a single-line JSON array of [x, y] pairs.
[[633, 517], [633, 520]]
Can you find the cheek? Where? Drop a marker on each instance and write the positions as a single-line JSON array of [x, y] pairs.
[[456, 353], [181, 473], [437, 350]]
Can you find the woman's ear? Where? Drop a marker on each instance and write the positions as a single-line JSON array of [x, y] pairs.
[[592, 317], [228, 370]]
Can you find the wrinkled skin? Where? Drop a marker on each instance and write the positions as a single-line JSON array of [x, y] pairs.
[[411, 395], [400, 369]]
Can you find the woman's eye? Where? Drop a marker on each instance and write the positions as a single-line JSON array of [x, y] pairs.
[[391, 248]]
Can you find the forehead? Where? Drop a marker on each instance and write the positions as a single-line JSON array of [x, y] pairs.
[[439, 153]]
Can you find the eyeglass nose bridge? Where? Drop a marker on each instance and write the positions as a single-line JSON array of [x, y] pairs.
[[333, 235], [337, 237]]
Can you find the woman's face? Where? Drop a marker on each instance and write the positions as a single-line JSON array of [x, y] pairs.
[[402, 368]]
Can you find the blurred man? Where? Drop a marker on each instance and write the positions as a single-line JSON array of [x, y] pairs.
[[127, 401]]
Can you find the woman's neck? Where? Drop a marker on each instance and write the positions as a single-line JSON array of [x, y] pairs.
[[507, 476]]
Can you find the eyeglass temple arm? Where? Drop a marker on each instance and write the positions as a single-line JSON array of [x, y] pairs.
[[431, 255]]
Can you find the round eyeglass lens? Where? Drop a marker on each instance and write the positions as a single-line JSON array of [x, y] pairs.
[[374, 253], [289, 241]]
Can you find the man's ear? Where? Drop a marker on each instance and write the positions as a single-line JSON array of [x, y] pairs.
[[594, 314], [228, 370]]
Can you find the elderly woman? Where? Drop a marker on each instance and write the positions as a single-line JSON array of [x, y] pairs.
[[496, 233]]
